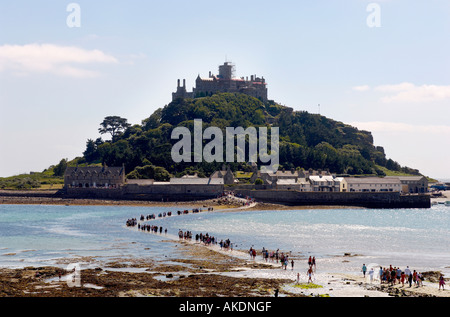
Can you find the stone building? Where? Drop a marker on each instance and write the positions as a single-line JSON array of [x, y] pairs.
[[226, 174], [413, 184], [271, 178], [224, 82], [94, 176]]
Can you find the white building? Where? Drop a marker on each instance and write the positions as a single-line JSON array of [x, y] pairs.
[[325, 183], [371, 184], [300, 184]]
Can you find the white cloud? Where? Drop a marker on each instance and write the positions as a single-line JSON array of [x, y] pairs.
[[409, 92], [361, 88], [50, 58]]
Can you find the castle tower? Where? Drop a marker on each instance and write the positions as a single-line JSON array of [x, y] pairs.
[[181, 91], [226, 71], [225, 81]]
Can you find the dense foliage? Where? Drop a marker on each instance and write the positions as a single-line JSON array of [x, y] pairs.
[[308, 141]]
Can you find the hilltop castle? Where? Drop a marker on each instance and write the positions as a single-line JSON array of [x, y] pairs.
[[224, 82]]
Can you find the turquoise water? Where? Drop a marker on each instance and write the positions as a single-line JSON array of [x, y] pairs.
[[420, 238]]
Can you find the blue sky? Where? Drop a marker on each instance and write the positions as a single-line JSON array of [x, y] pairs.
[[57, 83]]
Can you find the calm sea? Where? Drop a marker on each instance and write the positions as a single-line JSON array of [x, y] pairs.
[[37, 235]]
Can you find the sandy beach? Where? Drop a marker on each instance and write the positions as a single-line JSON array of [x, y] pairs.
[[206, 271]]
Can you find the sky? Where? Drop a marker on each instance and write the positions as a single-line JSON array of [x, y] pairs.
[[381, 66]]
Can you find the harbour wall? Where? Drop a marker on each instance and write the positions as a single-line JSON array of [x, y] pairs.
[[355, 199], [148, 192], [201, 192]]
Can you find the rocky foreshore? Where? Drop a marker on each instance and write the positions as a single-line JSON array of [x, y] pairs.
[[205, 272]]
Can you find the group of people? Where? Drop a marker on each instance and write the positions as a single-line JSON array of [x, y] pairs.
[[132, 222], [207, 239], [150, 228], [311, 265], [285, 260], [232, 198], [273, 256], [187, 235], [395, 275]]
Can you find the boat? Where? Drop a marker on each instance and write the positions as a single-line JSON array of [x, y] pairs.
[[447, 203]]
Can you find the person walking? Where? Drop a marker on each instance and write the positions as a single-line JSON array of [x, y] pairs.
[[310, 273], [364, 269], [371, 275], [410, 277], [419, 279], [441, 282], [407, 271], [402, 278]]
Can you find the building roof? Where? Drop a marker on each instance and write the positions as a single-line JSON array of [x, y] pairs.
[[287, 181], [372, 180], [218, 174], [284, 174], [408, 178], [196, 181], [141, 181], [322, 178], [93, 169]]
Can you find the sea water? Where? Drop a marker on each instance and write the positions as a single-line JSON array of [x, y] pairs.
[[38, 235]]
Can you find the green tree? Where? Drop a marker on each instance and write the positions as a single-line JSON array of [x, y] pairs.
[[91, 153], [59, 169], [150, 172], [114, 125]]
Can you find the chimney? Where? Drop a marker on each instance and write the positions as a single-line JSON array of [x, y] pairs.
[[184, 82], [178, 83]]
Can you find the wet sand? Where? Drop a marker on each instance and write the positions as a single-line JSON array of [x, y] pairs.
[[207, 271]]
